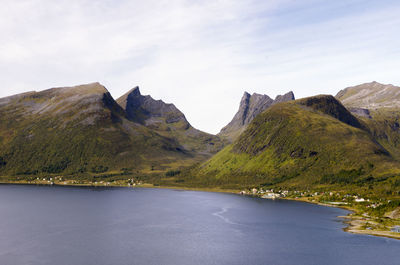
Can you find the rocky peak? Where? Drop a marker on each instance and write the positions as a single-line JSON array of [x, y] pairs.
[[284, 98], [135, 91], [250, 107], [151, 112], [361, 112]]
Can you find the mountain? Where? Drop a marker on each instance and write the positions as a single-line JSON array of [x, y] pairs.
[[370, 96], [307, 142], [378, 106], [152, 113], [79, 130], [315, 141], [168, 121], [250, 107]]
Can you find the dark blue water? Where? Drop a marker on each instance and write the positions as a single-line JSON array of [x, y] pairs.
[[72, 225]]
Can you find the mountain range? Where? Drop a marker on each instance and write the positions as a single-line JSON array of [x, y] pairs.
[[315, 142], [82, 129], [350, 139]]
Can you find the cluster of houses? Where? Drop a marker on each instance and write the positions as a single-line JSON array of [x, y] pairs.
[[48, 180], [52, 180], [266, 194], [374, 205], [271, 194], [102, 183], [133, 183]]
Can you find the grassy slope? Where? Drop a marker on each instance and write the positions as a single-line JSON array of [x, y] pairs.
[[385, 127], [299, 144]]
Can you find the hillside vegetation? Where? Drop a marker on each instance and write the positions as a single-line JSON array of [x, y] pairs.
[[306, 143], [79, 131], [311, 143]]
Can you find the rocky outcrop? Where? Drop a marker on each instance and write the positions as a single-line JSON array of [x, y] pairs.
[[284, 98], [361, 112], [250, 107], [150, 112]]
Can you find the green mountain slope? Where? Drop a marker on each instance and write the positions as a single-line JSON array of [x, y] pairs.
[[77, 130], [378, 106], [307, 142], [384, 125]]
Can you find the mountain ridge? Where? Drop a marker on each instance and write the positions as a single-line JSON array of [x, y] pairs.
[[302, 143], [146, 110], [79, 130], [250, 106], [371, 95], [83, 131]]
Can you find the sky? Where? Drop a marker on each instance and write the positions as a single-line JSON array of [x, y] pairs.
[[199, 55]]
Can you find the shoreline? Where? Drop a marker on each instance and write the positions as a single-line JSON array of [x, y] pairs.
[[353, 221]]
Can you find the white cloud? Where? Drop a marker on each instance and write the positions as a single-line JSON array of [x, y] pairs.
[[200, 55]]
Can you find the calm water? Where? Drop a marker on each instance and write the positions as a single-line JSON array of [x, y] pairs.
[[69, 225]]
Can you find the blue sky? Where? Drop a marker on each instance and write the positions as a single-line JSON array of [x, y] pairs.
[[199, 55]]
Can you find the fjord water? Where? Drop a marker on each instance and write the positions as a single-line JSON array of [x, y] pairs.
[[74, 225]]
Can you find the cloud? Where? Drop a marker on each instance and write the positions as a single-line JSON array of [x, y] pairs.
[[200, 55]]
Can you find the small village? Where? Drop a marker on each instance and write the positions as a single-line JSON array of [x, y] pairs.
[[338, 198]]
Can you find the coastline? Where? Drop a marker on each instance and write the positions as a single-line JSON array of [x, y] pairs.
[[355, 222]]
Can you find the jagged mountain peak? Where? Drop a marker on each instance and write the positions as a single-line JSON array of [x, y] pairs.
[[283, 98], [250, 107], [133, 92], [151, 112]]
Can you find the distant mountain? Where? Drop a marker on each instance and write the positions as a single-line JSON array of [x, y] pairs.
[[169, 121], [370, 96], [250, 107], [79, 130], [378, 106], [307, 142]]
